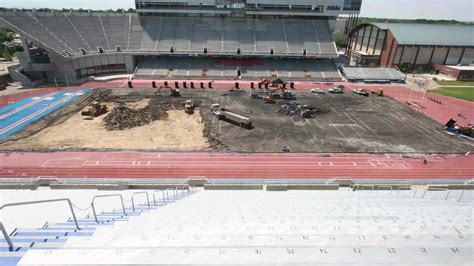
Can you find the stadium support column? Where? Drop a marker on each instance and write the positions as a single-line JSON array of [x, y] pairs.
[[431, 56], [376, 41], [416, 57], [447, 55], [363, 37], [370, 37], [462, 55]]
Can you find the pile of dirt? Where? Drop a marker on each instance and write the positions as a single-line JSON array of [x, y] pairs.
[[124, 117], [296, 109]]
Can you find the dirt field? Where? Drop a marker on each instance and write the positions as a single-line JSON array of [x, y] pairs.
[[353, 124], [179, 131]]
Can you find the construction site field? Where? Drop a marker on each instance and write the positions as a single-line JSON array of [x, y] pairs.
[[153, 120]]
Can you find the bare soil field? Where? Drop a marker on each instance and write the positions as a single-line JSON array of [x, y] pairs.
[[350, 123]]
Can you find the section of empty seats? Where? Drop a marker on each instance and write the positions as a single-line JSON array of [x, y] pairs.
[[136, 33], [64, 30], [373, 74], [33, 31], [91, 29], [231, 68], [181, 35], [117, 28]]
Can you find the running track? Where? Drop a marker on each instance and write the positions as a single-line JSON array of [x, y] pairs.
[[220, 165], [230, 165]]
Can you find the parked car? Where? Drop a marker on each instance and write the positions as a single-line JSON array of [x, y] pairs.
[[336, 90], [362, 92], [318, 91]]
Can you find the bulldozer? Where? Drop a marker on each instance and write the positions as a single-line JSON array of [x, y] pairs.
[[95, 109], [378, 92], [173, 91], [189, 107]]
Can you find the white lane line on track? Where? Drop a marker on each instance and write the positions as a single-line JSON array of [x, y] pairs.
[[16, 110], [27, 118]]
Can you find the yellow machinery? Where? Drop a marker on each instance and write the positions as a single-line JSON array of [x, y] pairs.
[[189, 107], [95, 109]]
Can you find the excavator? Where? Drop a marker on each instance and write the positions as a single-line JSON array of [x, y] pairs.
[[95, 109], [271, 96], [173, 92], [273, 83]]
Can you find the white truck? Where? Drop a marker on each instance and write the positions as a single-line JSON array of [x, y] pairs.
[[232, 117]]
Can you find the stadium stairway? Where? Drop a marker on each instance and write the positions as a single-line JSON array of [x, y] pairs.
[[54, 235], [262, 227]]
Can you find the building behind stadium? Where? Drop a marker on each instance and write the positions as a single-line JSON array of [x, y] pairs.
[[411, 46], [193, 39]]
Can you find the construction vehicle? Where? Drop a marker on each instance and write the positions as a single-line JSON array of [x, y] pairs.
[[362, 92], [231, 117], [336, 90], [271, 95], [173, 91], [378, 92], [189, 107], [453, 128], [95, 109]]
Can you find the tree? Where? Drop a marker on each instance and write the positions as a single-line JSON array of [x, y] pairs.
[[5, 36], [6, 55], [340, 41]]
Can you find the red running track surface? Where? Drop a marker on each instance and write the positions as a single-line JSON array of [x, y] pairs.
[[231, 165]]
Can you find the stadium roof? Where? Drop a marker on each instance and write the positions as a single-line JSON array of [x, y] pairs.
[[431, 34]]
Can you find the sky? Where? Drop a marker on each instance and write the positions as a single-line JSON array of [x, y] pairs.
[[406, 9]]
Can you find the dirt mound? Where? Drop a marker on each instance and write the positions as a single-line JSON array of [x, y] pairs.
[[124, 117]]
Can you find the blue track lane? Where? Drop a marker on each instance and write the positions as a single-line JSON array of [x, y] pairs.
[[16, 116]]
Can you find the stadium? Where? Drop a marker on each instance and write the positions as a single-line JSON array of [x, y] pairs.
[[228, 132]]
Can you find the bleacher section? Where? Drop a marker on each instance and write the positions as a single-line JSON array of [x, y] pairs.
[[259, 227], [249, 69], [373, 74], [74, 31]]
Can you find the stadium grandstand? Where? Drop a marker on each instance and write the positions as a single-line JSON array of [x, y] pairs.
[[411, 45], [184, 39], [373, 74]]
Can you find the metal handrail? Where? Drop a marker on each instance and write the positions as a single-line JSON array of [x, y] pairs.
[[362, 185], [2, 228], [460, 196], [391, 188], [104, 196], [174, 192], [7, 237], [141, 192], [438, 189], [398, 189], [154, 199]]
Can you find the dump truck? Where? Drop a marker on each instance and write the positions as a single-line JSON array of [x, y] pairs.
[[232, 117], [95, 109], [189, 107]]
